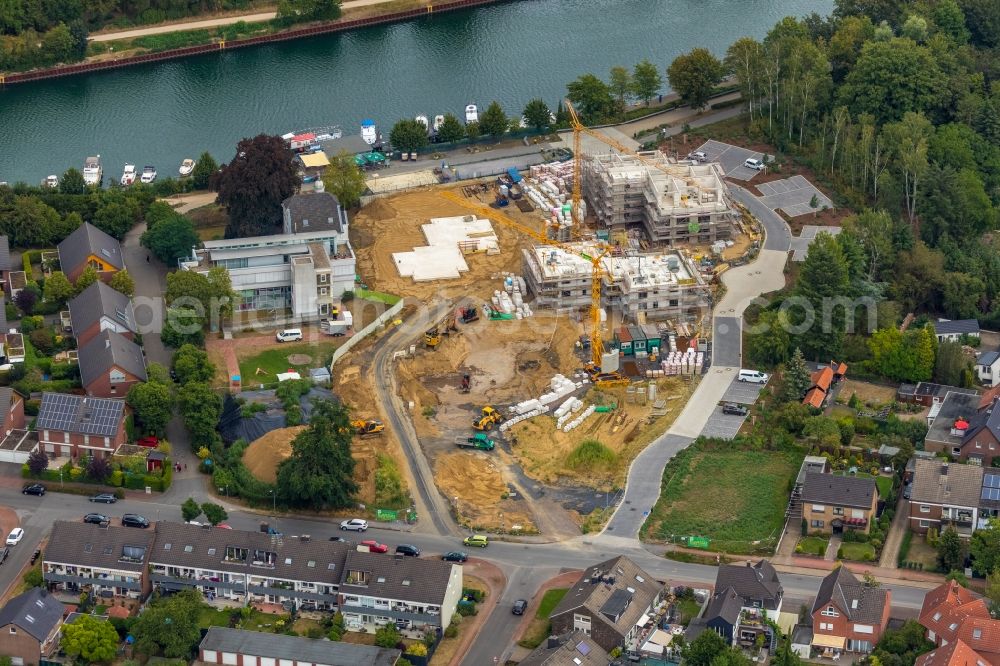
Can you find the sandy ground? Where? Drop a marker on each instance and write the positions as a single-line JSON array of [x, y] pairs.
[[475, 485], [263, 455]]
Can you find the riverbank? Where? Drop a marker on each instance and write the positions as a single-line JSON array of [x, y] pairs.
[[224, 35]]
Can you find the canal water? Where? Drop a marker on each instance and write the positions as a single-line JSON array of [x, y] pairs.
[[159, 114]]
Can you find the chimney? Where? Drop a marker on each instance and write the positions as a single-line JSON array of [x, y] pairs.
[[749, 564], [944, 469]]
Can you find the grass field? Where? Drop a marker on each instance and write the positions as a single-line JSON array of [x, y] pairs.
[[884, 484], [858, 552], [275, 360], [735, 498], [539, 628]]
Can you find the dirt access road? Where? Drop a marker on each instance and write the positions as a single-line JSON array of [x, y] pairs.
[[210, 23]]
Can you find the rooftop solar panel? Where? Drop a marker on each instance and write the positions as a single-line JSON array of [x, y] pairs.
[[991, 480], [583, 648], [85, 415]]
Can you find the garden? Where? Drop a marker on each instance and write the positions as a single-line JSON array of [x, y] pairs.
[[812, 545], [540, 626], [132, 471]]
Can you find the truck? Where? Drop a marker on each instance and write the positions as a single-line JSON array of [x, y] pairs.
[[478, 441], [339, 325]]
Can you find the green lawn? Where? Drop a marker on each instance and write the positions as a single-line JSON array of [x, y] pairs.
[[377, 296], [275, 360], [884, 484], [213, 617], [540, 626], [733, 497], [812, 545], [859, 552], [550, 600]]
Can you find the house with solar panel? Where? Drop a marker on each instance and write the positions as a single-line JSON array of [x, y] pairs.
[[573, 649], [109, 561], [75, 425], [89, 246], [100, 308]]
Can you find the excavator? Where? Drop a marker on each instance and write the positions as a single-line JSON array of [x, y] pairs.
[[369, 428], [432, 336]]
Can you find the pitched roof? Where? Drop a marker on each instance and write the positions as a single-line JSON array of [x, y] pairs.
[[988, 358], [99, 300], [108, 350], [89, 545], [956, 327], [725, 604], [852, 491], [295, 648], [859, 602], [946, 606], [938, 482], [316, 211], [823, 378], [82, 414], [598, 585], [982, 634], [6, 398], [983, 422], [572, 649], [406, 578], [814, 397], [85, 241], [955, 653], [751, 581], [989, 397], [4, 254], [35, 611]]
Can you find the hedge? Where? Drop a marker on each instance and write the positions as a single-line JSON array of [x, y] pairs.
[[117, 479]]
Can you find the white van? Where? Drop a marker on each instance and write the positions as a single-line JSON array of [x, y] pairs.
[[753, 376], [754, 164], [289, 335]]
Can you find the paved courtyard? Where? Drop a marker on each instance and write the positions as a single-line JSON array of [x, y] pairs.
[[792, 196], [745, 393], [731, 158], [722, 426], [801, 243]]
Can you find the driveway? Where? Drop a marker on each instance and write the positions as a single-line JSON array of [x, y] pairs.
[[793, 196], [722, 426], [777, 235], [727, 341], [744, 393], [801, 243], [731, 158]]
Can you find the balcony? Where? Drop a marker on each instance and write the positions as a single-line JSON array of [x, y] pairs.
[[182, 582], [427, 618], [292, 594], [91, 580]]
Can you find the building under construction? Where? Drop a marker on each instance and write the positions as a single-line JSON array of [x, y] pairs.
[[673, 203], [636, 287]]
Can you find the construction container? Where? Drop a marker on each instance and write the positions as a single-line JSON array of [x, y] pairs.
[[623, 341], [638, 338], [652, 335]]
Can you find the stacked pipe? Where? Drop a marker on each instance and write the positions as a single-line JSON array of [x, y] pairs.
[[578, 420]]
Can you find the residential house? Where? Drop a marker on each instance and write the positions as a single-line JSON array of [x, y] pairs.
[[746, 596], [99, 308], [963, 430], [237, 647], [16, 442], [108, 561], [572, 649], [988, 368], [981, 442], [821, 381], [953, 330], [960, 625], [989, 499], [11, 342], [722, 615], [5, 265], [953, 654], [413, 593], [110, 364], [848, 615], [89, 246], [607, 604], [30, 626], [74, 425], [928, 394], [302, 271], [832, 503], [12, 406], [944, 494]]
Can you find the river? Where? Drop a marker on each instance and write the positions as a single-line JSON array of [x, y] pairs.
[[511, 52]]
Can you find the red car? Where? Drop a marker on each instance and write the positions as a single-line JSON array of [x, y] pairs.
[[375, 546], [150, 441]]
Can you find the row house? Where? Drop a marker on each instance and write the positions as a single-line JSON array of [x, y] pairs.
[[832, 503], [108, 561], [960, 626], [848, 615], [110, 364], [238, 647], [100, 308], [75, 425], [945, 494]]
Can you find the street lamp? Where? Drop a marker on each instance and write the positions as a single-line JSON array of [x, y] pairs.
[[273, 501]]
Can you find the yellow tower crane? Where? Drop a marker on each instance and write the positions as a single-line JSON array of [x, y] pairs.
[[597, 281]]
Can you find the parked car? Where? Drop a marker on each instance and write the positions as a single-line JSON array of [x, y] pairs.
[[407, 550], [355, 525], [289, 335], [15, 536], [35, 555], [33, 489], [519, 607], [4, 554], [477, 540], [338, 539], [735, 409], [698, 155], [455, 556], [375, 547], [105, 498], [96, 519], [753, 163], [223, 526], [753, 376], [134, 520], [149, 442], [907, 490]]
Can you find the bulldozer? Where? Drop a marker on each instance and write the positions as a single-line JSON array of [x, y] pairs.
[[487, 419], [369, 428]]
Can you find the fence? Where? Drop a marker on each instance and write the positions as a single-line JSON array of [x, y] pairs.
[[366, 331]]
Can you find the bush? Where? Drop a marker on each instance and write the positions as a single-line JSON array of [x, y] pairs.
[[589, 454], [452, 630], [417, 650]]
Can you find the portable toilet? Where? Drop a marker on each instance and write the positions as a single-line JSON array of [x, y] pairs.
[[638, 339], [623, 340]]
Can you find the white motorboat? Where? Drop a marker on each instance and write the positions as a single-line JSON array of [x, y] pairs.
[[438, 121], [369, 132], [422, 119], [148, 174], [128, 175], [52, 181], [92, 171], [471, 114], [187, 166]]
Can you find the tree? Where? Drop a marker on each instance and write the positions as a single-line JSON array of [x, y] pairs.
[[43, 340], [694, 76], [984, 545], [745, 59], [494, 121], [29, 222], [152, 404], [170, 625], [123, 282], [768, 340], [204, 170], [472, 130], [115, 218], [25, 300], [90, 640], [170, 238], [950, 550], [822, 283], [408, 135], [871, 580], [620, 83], [87, 277], [646, 81], [951, 364], [703, 650], [993, 591], [58, 288], [190, 509], [591, 98], [318, 473], [538, 115], [294, 11], [72, 182], [200, 407], [252, 186], [38, 462], [345, 180], [192, 365], [337, 627], [892, 78], [387, 636], [451, 130], [98, 468], [797, 377], [822, 431], [900, 647], [214, 513]]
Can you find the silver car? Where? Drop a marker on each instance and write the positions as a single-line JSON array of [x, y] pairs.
[[354, 525]]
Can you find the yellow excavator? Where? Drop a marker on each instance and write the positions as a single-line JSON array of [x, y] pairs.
[[369, 428]]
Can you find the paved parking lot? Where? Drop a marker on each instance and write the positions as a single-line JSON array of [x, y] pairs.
[[722, 426], [792, 196], [800, 244], [744, 393], [731, 158]]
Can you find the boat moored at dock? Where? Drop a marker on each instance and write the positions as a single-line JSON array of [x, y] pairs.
[[148, 174], [187, 166], [92, 171], [128, 175]]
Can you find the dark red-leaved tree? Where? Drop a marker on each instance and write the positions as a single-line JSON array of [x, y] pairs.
[[253, 185]]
